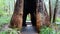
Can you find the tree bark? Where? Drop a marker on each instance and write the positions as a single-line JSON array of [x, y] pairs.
[[50, 10], [39, 8], [55, 11], [17, 17]]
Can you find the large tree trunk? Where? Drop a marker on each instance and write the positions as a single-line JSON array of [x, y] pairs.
[[55, 11], [39, 8], [17, 17]]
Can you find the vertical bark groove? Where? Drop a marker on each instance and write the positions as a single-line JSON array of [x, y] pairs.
[[50, 11]]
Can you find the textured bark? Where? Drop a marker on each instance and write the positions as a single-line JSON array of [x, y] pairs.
[[55, 11], [39, 8], [17, 17], [38, 21]]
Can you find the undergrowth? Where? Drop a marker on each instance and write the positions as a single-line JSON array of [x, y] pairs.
[[48, 30]]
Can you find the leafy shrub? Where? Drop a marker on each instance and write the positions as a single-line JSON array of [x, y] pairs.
[[1, 12], [9, 31], [4, 19], [47, 30]]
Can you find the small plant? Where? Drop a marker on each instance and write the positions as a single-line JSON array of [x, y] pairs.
[[47, 30]]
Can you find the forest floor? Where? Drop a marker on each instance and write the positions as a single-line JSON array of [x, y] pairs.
[[27, 30], [4, 22]]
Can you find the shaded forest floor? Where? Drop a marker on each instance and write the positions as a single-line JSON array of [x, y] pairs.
[[5, 20], [27, 30]]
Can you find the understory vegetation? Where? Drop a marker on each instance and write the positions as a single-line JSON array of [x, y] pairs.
[[48, 30], [10, 31]]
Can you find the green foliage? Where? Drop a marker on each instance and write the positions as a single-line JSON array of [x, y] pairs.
[[4, 19], [2, 3], [47, 30], [10, 31], [58, 32], [2, 12], [6, 6], [28, 18], [57, 19]]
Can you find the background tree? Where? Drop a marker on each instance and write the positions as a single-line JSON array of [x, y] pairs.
[[55, 11], [50, 13], [46, 17]]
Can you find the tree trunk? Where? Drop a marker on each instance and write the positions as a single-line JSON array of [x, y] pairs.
[[50, 10], [55, 11], [17, 17], [39, 8], [46, 17]]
